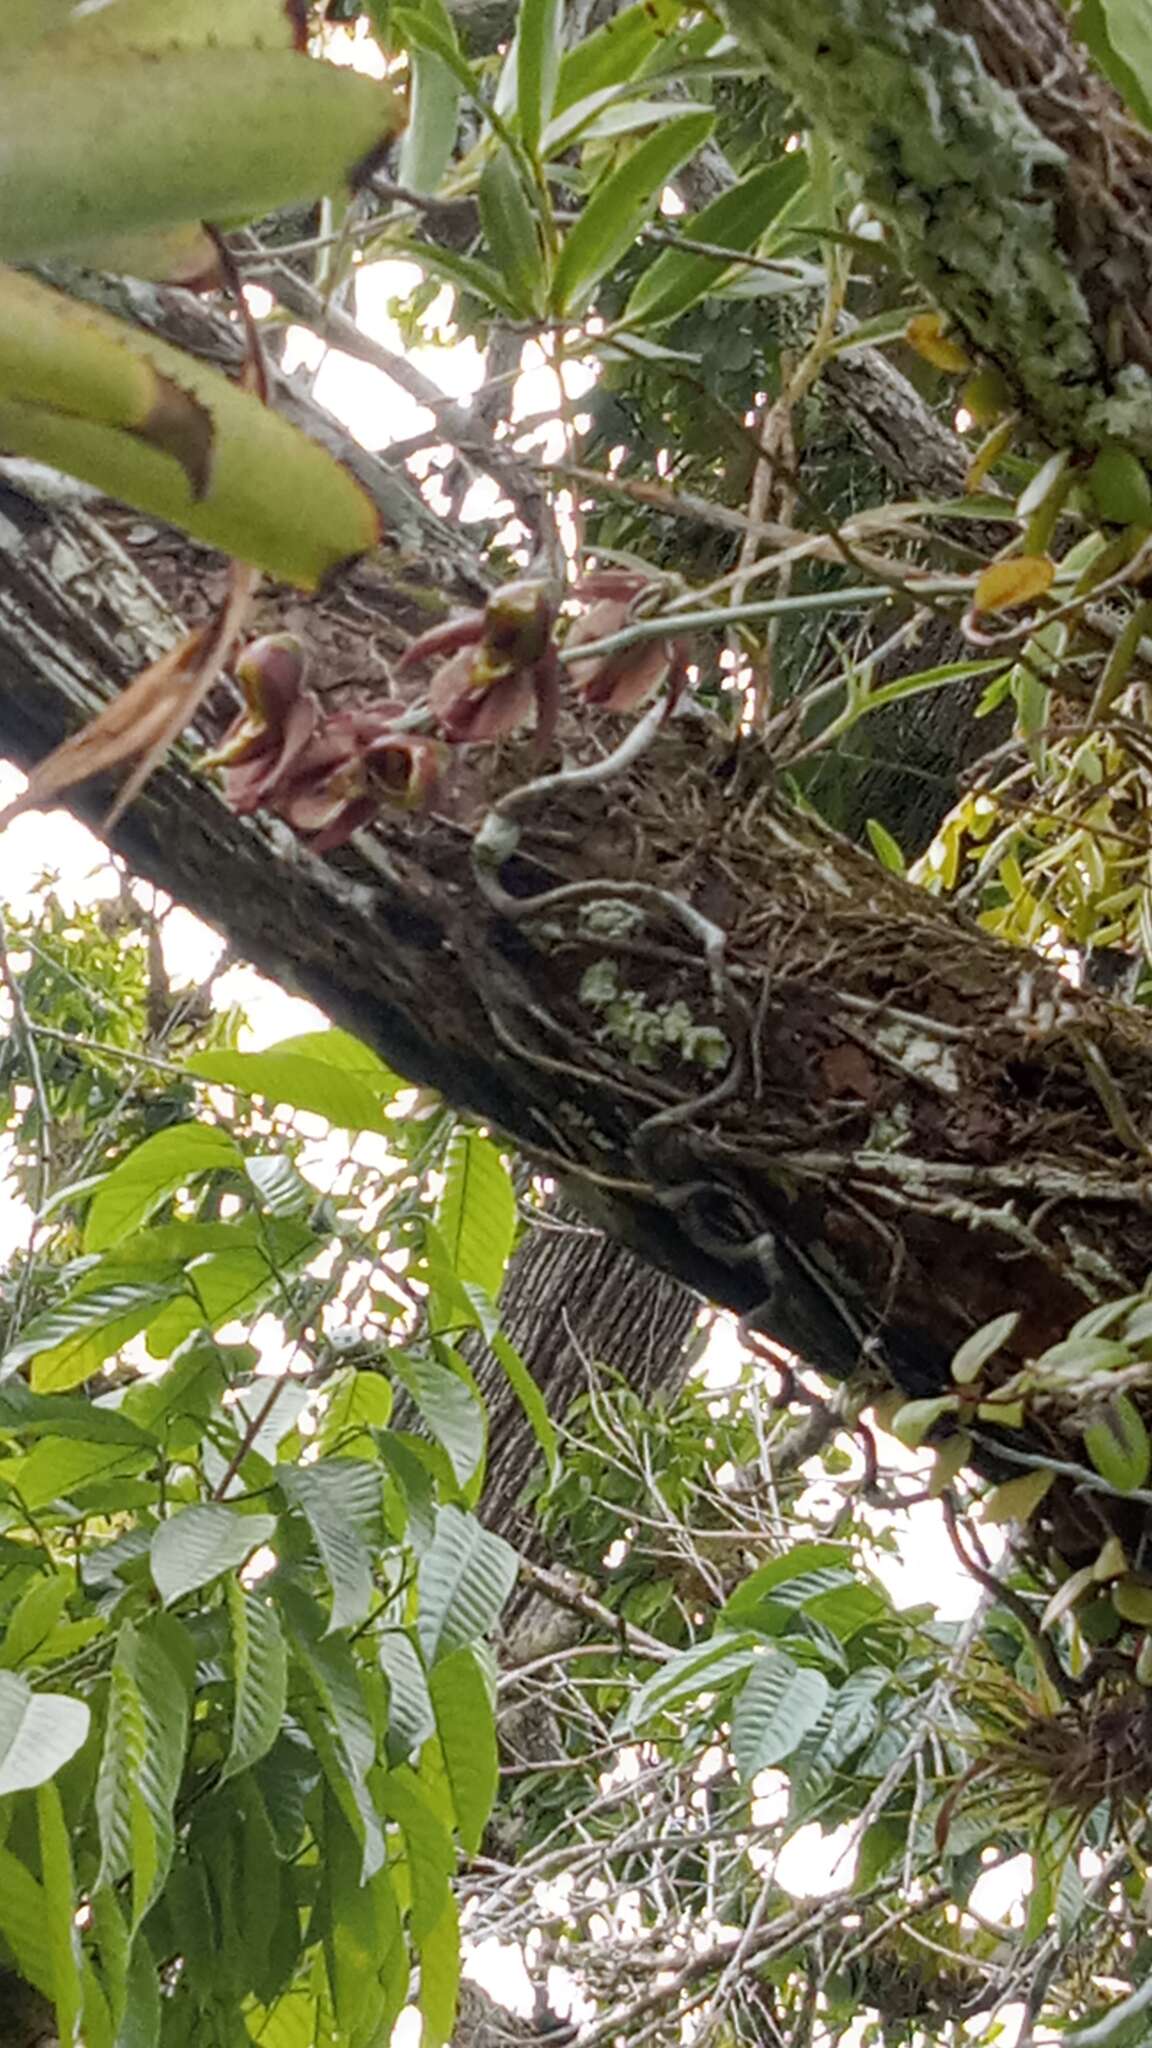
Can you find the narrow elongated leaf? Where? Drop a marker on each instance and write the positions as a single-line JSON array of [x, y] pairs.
[[259, 1675], [35, 1616], [440, 1978], [205, 455], [702, 1668], [196, 1545], [411, 1718], [24, 1923], [453, 1411], [39, 1731], [60, 1930], [141, 1765], [427, 1843], [150, 1173], [353, 1101], [433, 105], [464, 1580], [476, 1212], [527, 1393], [614, 54], [340, 1500], [736, 221], [466, 1726], [23, 1413], [774, 1710], [618, 208], [510, 231], [539, 41]]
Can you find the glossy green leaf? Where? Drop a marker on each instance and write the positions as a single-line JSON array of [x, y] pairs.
[[259, 1677], [539, 42], [449, 1405], [427, 1843], [798, 1562], [340, 1500], [434, 104], [58, 1467], [982, 1345], [197, 1544], [23, 1413], [736, 221], [476, 1212], [618, 207], [68, 1344], [39, 1731], [440, 1978], [466, 1726], [150, 1173], [701, 1668], [615, 53], [464, 1580], [510, 231], [773, 1711]]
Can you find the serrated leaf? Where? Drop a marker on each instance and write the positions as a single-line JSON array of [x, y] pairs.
[[1004, 585], [982, 1345], [39, 1732], [197, 1544], [539, 43], [737, 220], [773, 1712], [68, 1344], [466, 1726], [464, 1579], [259, 1677], [618, 207], [150, 1173], [476, 1212], [1118, 1445], [141, 1766], [340, 1500]]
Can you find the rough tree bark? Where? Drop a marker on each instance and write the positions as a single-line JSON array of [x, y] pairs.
[[869, 1125]]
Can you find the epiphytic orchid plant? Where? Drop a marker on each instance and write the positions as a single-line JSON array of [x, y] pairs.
[[328, 773]]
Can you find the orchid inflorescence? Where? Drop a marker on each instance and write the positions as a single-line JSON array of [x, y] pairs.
[[328, 773]]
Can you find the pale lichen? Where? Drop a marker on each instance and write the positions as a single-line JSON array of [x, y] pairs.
[[649, 1033]]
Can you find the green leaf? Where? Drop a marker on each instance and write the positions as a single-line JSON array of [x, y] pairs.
[[701, 1668], [476, 1212], [145, 141], [510, 231], [353, 1934], [60, 1932], [773, 1712], [39, 1732], [259, 1676], [466, 1726], [539, 42], [524, 1387], [151, 1172], [1118, 1445], [58, 1466], [737, 220], [141, 1765], [618, 207], [34, 1617], [351, 1098], [453, 1411], [172, 436], [799, 1562], [427, 1843], [342, 1730], [25, 1925], [982, 1345], [433, 105], [340, 1500], [23, 1413], [68, 1344], [615, 54], [440, 1978], [887, 850], [1119, 35], [464, 1580], [195, 1545], [411, 1719], [912, 1422]]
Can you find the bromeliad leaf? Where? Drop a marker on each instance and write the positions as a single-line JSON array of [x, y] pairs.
[[196, 1545], [464, 1580]]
